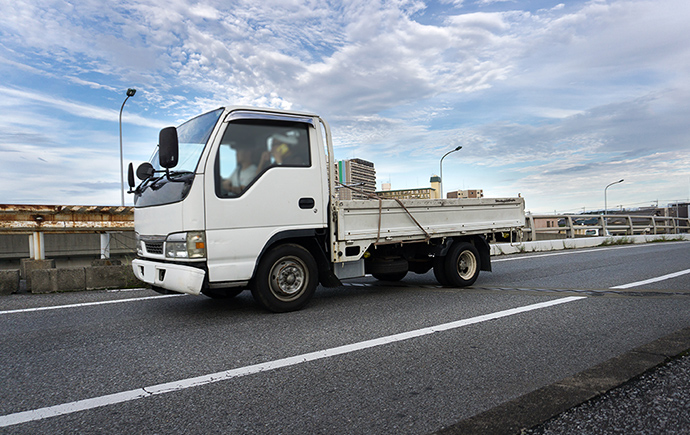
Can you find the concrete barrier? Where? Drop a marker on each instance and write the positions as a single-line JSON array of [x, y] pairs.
[[585, 242], [116, 276], [58, 280], [46, 279], [27, 266], [9, 281]]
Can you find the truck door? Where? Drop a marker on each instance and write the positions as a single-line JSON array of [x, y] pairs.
[[264, 178]]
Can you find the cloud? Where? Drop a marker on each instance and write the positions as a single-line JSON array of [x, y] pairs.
[[574, 90], [78, 109]]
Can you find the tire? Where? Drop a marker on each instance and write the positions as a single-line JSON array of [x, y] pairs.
[[223, 293], [462, 264], [286, 278], [394, 276], [440, 271]]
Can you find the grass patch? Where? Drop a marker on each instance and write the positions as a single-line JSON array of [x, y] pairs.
[[667, 239], [617, 241]]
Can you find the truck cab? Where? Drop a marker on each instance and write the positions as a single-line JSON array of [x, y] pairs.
[[238, 182]]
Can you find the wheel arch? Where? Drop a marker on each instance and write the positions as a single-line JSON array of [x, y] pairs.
[[310, 239]]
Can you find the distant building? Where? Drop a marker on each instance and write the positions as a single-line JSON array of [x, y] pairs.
[[420, 193], [472, 193], [680, 209], [414, 193], [360, 175], [436, 185]]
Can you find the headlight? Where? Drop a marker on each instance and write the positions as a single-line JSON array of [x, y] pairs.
[[186, 245]]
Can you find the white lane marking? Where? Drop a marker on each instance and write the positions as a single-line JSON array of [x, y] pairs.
[[653, 280], [87, 304], [567, 252], [139, 393]]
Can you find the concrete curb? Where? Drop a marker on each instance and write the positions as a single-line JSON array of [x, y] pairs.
[[547, 402], [585, 242]]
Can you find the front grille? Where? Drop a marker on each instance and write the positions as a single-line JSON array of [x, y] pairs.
[[154, 247]]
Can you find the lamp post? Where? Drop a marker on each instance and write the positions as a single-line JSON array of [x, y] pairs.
[[605, 202], [441, 168], [130, 93]]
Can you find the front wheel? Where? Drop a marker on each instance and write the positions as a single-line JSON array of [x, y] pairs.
[[286, 278], [462, 265]]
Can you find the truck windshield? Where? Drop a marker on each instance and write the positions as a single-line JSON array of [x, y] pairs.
[[192, 137]]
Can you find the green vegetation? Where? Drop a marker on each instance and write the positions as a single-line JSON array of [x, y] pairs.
[[667, 239], [611, 241]]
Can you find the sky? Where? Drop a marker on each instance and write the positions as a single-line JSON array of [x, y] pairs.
[[552, 100]]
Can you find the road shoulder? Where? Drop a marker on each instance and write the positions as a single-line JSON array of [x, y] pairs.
[[547, 402]]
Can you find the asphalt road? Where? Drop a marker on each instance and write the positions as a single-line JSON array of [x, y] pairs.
[[369, 357]]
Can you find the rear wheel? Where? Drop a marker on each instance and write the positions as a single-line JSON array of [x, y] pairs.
[[440, 271], [286, 278], [462, 264]]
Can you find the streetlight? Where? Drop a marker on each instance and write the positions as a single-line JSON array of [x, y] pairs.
[[130, 93], [605, 202], [441, 168]]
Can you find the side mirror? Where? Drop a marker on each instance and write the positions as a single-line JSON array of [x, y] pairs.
[[145, 171], [168, 147], [130, 176]]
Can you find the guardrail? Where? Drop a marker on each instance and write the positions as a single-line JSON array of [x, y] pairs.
[[38, 220], [543, 227]]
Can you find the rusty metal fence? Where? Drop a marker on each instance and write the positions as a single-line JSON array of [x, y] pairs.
[[35, 221]]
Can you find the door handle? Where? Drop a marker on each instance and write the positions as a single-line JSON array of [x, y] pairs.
[[306, 203]]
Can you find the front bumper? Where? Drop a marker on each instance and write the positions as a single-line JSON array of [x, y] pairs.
[[175, 277]]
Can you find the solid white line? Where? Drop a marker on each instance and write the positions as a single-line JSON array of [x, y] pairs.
[[87, 304], [565, 252], [653, 280], [139, 393]]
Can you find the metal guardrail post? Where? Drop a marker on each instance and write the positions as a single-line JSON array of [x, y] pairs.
[[105, 245], [570, 231], [37, 246], [602, 221], [532, 229]]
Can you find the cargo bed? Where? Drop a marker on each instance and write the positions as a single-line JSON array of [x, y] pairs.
[[364, 222]]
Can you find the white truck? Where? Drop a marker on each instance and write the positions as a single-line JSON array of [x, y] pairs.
[[246, 198]]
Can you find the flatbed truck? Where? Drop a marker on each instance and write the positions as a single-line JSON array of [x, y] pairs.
[[246, 198]]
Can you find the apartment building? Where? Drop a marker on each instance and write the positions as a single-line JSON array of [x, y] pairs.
[[359, 175]]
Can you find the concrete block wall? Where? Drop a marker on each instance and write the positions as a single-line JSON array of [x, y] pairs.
[[82, 278], [9, 281], [41, 276]]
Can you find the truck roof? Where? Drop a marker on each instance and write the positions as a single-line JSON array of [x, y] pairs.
[[269, 110]]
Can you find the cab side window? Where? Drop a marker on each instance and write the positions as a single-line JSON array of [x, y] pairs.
[[249, 148]]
